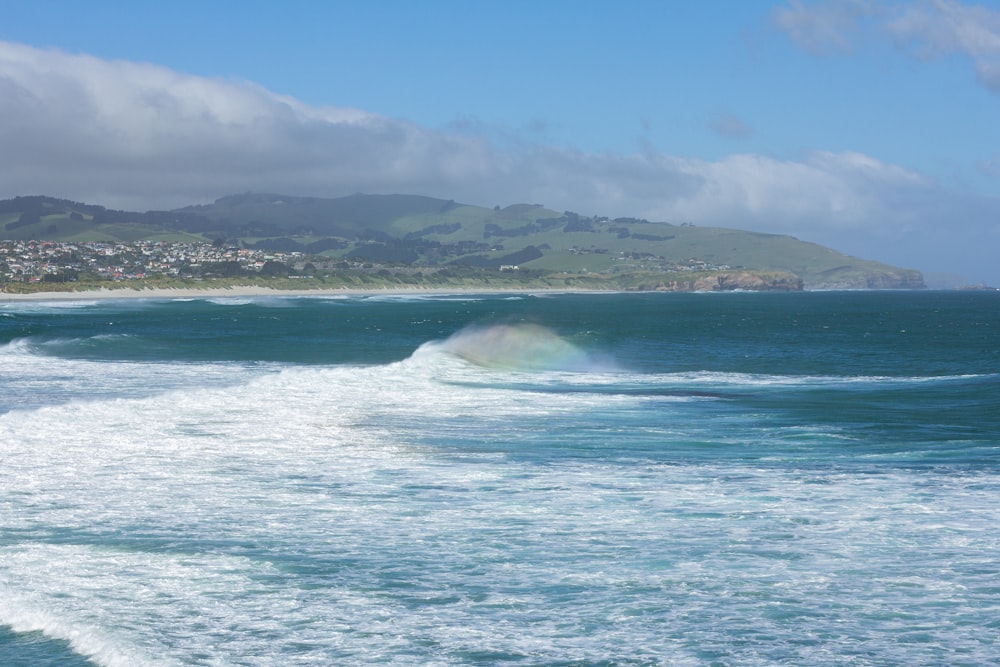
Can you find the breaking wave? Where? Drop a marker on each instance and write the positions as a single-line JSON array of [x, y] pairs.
[[523, 347]]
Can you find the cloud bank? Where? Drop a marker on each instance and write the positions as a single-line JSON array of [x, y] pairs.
[[140, 136]]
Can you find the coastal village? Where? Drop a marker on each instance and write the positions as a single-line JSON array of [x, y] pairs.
[[62, 262], [50, 261]]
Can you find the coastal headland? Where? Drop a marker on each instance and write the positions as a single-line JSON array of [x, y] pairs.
[[380, 242]]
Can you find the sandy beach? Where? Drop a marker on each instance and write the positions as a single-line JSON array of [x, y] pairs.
[[249, 291]]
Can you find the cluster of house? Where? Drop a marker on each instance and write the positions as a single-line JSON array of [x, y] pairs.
[[35, 261]]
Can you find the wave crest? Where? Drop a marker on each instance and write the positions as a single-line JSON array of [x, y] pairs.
[[521, 347]]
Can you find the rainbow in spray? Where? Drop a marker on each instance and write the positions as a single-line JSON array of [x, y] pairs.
[[523, 347]]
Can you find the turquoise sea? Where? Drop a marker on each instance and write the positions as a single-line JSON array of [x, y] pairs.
[[574, 479]]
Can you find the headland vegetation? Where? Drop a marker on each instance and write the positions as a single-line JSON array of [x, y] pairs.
[[399, 243]]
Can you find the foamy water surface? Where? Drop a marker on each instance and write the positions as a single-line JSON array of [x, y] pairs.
[[522, 491]]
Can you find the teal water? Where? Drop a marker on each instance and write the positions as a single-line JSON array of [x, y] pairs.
[[646, 479]]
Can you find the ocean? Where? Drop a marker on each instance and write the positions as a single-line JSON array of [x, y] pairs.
[[502, 479]]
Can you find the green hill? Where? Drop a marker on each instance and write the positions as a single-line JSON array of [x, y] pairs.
[[428, 232]]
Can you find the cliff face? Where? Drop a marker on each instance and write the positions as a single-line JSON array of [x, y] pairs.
[[896, 280], [729, 281], [877, 279], [786, 281], [752, 281]]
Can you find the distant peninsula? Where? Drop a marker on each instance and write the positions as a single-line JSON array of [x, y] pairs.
[[378, 242]]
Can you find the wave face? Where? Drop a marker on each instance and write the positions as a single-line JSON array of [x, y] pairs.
[[475, 479], [520, 347]]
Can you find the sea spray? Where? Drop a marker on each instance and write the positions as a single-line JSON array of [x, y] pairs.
[[522, 347]]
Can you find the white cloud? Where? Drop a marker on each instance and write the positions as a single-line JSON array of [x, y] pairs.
[[130, 131], [945, 27], [823, 27], [139, 136], [823, 191], [925, 29]]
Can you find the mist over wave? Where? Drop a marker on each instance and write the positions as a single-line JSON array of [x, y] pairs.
[[524, 347]]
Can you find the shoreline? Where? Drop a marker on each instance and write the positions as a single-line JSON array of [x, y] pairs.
[[250, 291]]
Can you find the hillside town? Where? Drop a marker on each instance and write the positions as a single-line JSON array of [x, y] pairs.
[[62, 262], [50, 261]]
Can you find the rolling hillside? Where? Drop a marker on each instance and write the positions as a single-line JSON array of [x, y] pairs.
[[427, 232]]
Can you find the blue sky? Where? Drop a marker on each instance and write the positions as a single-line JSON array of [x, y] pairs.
[[868, 126]]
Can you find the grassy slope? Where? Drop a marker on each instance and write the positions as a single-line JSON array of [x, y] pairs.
[[346, 216], [82, 231], [575, 251], [439, 220]]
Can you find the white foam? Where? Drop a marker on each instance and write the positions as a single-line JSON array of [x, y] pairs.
[[230, 301], [84, 639], [395, 514], [720, 379], [56, 304], [31, 379]]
